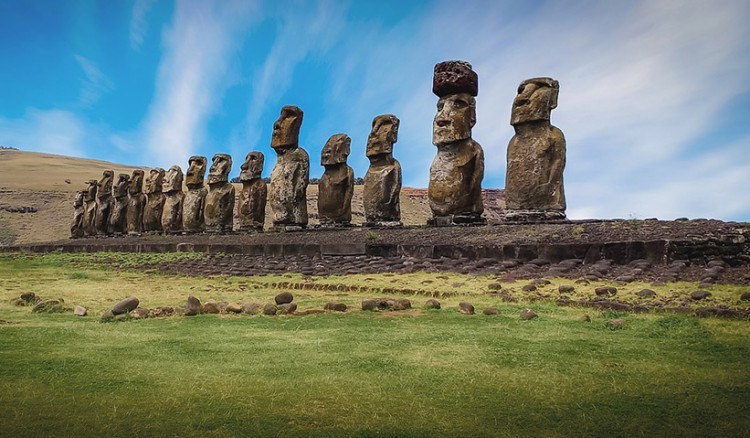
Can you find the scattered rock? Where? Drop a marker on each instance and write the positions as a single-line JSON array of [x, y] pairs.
[[193, 306], [528, 314], [251, 308], [49, 306], [161, 311], [466, 308], [284, 298], [211, 307], [495, 286], [125, 306], [700, 294], [432, 304], [605, 291], [287, 308], [645, 293], [528, 288], [615, 324], [139, 313], [80, 311], [583, 281], [566, 289], [269, 309], [745, 296], [108, 316], [490, 311], [334, 306], [370, 305], [233, 308], [541, 282], [30, 297], [401, 304], [585, 318]]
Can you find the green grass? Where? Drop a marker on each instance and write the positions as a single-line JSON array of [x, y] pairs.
[[418, 373]]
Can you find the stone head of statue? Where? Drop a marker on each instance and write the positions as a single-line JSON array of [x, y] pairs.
[[173, 180], [221, 165], [105, 184], [535, 100], [286, 129], [383, 135], [456, 86], [121, 185], [196, 171], [78, 200], [136, 182], [154, 181], [252, 167], [336, 150], [91, 188]]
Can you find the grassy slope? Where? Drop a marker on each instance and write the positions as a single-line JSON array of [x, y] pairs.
[[423, 373]]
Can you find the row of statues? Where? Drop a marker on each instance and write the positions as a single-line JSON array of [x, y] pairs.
[[534, 184]]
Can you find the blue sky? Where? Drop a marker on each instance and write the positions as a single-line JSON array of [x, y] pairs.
[[654, 99]]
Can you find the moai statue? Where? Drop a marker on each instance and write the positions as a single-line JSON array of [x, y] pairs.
[[536, 155], [383, 178], [77, 226], [89, 212], [220, 199], [118, 219], [171, 216], [136, 203], [337, 183], [455, 188], [104, 203], [291, 174], [154, 201], [195, 198], [251, 210]]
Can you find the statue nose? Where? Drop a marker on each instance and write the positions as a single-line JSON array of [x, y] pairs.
[[443, 122]]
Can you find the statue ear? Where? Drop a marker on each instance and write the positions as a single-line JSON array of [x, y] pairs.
[[473, 106], [553, 97]]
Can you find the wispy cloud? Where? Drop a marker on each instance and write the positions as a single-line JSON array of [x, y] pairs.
[[95, 84], [52, 131], [138, 23], [198, 48]]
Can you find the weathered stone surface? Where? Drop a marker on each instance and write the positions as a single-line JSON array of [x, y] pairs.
[[381, 196], [193, 306], [456, 173], [536, 155], [528, 288], [89, 212], [336, 186], [369, 305], [745, 296], [645, 293], [699, 295], [566, 289], [219, 207], [283, 298], [527, 314], [270, 309], [171, 217], [125, 306], [195, 198], [251, 210], [251, 308], [154, 201], [466, 308], [80, 311], [287, 195], [233, 308], [401, 304], [77, 224], [211, 307], [287, 308], [432, 304], [139, 313], [605, 291], [335, 306], [49, 306], [118, 218], [104, 202], [136, 203], [490, 311]]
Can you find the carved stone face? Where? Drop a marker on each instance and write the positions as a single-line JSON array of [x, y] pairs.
[[456, 115], [173, 180], [336, 150], [154, 181], [105, 184], [196, 171], [383, 135], [121, 186], [78, 201], [220, 167], [90, 192], [136, 182], [535, 100], [252, 167], [286, 129]]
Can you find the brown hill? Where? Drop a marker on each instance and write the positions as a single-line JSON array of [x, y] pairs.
[[44, 185]]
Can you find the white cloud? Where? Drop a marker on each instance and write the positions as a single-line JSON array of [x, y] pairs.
[[138, 24], [96, 83], [52, 131], [198, 46]]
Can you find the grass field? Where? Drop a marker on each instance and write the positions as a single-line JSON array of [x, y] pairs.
[[411, 373]]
